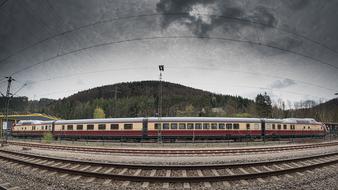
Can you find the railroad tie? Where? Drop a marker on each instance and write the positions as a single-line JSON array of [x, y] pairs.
[[199, 172], [27, 167], [76, 166], [186, 185], [226, 184], [4, 184], [244, 171], [34, 169], [288, 176], [261, 180], [56, 164], [43, 171], [125, 183], [137, 172], [50, 163], [41, 162], [90, 179], [64, 166], [14, 188], [299, 173], [145, 185], [50, 174], [168, 173], [310, 172], [123, 171], [152, 173], [230, 172], [244, 182], [97, 169], [184, 173], [109, 170], [287, 165], [85, 168], [278, 167], [76, 177], [296, 164], [275, 178], [215, 172], [64, 175], [108, 181], [256, 170], [165, 186]]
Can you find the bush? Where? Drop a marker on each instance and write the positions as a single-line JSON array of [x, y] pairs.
[[47, 137]]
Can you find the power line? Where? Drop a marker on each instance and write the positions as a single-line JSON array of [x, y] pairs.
[[167, 14], [255, 74], [3, 3], [176, 37]]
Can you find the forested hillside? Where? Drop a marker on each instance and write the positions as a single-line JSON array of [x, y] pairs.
[[138, 99]]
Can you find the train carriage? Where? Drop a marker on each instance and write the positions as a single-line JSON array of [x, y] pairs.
[[172, 128]]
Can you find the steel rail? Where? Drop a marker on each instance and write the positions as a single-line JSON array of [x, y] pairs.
[[177, 167], [180, 178], [173, 151]]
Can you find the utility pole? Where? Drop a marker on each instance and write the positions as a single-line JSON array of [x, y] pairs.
[[8, 96], [159, 135], [115, 100]]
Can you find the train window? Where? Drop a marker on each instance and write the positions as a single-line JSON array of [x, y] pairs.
[[279, 126], [165, 126], [90, 127], [206, 126], [248, 126], [273, 126], [285, 127], [33, 128], [221, 126], [173, 126], [128, 126], [114, 126], [198, 126], [63, 127], [190, 126], [214, 125], [236, 126], [69, 127], [102, 126], [229, 125], [304, 127], [309, 127], [157, 126], [182, 126], [79, 127]]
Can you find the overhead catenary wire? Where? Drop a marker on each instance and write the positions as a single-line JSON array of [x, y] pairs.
[[165, 14], [175, 37], [3, 3]]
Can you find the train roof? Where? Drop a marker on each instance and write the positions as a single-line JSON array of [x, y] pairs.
[[204, 119], [174, 119], [33, 122]]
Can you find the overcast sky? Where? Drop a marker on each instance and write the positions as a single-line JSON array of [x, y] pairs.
[[288, 48]]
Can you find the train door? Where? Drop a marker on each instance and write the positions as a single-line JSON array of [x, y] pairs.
[[145, 128], [263, 129]]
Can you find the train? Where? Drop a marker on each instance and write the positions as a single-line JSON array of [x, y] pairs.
[[171, 128]]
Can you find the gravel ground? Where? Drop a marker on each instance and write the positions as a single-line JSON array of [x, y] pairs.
[[322, 179], [174, 160]]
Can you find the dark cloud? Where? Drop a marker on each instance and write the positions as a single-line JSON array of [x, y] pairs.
[[282, 83], [297, 4], [202, 16]]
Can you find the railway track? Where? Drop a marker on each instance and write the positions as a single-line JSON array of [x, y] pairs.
[[215, 151], [168, 173]]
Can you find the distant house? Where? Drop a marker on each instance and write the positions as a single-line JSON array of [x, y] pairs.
[[12, 119]]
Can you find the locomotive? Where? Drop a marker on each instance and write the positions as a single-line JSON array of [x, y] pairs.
[[172, 128]]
